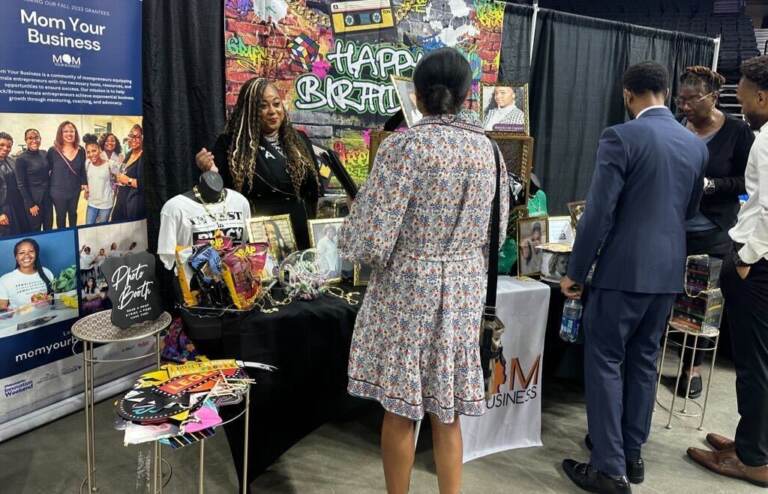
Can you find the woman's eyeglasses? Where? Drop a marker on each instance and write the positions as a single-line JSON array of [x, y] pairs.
[[680, 101], [134, 136]]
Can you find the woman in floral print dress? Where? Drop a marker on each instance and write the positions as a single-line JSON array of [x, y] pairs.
[[421, 221]]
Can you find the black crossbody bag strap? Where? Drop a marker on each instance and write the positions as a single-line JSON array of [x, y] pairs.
[[493, 245]]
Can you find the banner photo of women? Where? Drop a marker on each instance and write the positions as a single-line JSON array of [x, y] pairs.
[[38, 282], [71, 156], [69, 170], [97, 244], [332, 62]]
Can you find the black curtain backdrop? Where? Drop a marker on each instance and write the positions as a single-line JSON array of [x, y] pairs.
[[183, 49], [576, 91], [515, 59]]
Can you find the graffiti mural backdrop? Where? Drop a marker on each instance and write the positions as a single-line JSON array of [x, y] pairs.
[[333, 61]]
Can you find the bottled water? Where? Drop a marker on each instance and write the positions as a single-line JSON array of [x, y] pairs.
[[570, 325]]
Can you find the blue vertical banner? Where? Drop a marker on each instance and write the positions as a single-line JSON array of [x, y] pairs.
[[71, 57], [71, 168]]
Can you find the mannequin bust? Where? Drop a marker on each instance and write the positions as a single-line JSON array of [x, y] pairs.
[[210, 186]]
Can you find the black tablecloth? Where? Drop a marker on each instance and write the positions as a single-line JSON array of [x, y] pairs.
[[562, 360], [309, 344]]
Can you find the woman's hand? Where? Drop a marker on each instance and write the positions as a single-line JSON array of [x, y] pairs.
[[35, 210], [4, 220], [205, 161], [123, 179]]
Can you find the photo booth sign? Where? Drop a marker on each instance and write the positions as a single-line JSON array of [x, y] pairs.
[[332, 61]]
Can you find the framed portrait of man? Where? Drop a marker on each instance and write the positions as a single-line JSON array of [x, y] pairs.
[[531, 233], [406, 93], [277, 231], [504, 108], [324, 238], [517, 152]]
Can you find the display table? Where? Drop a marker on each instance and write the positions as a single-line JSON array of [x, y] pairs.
[[513, 416], [98, 329], [309, 344]]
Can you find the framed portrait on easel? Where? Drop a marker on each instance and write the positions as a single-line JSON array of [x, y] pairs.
[[505, 108], [324, 237], [517, 152], [406, 93], [531, 233], [376, 137], [277, 231], [362, 275], [576, 210]]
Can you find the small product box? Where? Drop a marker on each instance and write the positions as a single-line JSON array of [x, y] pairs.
[[700, 314], [702, 273]]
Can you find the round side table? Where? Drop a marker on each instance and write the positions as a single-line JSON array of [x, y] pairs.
[[98, 329], [711, 334]]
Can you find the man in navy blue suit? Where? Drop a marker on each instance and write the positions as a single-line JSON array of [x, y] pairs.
[[648, 181]]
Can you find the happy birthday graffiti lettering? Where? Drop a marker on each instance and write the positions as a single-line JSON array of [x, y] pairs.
[[362, 80], [375, 62]]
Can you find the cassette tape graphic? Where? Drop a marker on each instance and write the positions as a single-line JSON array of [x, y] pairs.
[[368, 20]]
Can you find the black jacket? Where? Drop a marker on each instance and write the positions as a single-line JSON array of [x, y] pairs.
[[309, 191], [728, 153], [66, 179], [33, 174]]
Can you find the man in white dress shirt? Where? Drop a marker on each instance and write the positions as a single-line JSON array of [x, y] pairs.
[[744, 281]]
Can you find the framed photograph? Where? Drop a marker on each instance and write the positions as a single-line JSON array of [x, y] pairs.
[[324, 237], [278, 233], [518, 156], [376, 137], [560, 230], [406, 93], [554, 261], [576, 209], [362, 275], [505, 108], [531, 233]]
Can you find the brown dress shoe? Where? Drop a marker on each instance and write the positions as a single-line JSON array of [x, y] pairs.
[[720, 443], [728, 464]]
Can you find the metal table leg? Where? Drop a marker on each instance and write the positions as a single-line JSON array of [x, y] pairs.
[[158, 455], [709, 381], [677, 381], [89, 461], [245, 439], [660, 366], [201, 469], [690, 373]]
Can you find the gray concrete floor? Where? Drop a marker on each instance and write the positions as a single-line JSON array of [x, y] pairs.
[[343, 458]]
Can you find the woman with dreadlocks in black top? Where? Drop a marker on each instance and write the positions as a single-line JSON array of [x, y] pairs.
[[30, 282], [263, 157], [728, 140]]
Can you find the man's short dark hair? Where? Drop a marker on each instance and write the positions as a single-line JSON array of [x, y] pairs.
[[646, 77], [756, 70]]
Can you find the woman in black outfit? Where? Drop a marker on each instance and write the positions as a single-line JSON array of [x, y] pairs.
[[262, 156], [728, 140], [13, 219], [66, 160], [33, 176], [129, 203]]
